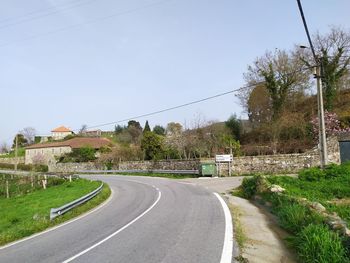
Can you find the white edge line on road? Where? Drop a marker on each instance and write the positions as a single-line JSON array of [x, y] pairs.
[[116, 232], [226, 256], [61, 225]]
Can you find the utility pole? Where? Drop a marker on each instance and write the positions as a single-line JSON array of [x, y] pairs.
[[321, 123], [317, 74], [16, 154]]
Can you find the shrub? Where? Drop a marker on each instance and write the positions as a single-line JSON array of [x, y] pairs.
[[7, 166], [334, 170], [84, 154], [311, 174], [249, 186], [316, 243], [26, 167], [293, 217]]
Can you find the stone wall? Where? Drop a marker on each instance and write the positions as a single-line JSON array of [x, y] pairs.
[[71, 167], [160, 165], [12, 160], [280, 163]]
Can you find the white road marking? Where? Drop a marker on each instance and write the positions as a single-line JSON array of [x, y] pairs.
[[116, 232], [61, 225], [226, 256]]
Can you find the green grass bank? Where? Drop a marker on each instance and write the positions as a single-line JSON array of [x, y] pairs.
[[28, 213], [310, 234]]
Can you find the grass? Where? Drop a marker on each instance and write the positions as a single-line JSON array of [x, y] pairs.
[[20, 153], [312, 238], [20, 185], [240, 236], [324, 191], [28, 214], [316, 243]]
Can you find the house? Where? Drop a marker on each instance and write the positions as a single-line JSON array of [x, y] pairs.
[[46, 153], [60, 133], [91, 133]]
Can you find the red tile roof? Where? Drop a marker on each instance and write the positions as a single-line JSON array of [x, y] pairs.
[[74, 143], [61, 129]]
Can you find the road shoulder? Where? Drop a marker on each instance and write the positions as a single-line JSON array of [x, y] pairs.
[[264, 239]]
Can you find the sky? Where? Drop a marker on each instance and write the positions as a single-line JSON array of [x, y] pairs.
[[99, 61]]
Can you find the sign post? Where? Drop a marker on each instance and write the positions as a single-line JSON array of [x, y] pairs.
[[224, 158]]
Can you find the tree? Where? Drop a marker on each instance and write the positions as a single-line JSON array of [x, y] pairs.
[[21, 141], [152, 145], [135, 131], [118, 129], [332, 125], [281, 74], [136, 124], [173, 128], [29, 134], [333, 52], [259, 105], [83, 129], [158, 129], [4, 148], [235, 126], [147, 128]]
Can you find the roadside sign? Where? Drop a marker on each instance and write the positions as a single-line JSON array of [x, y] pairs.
[[223, 158]]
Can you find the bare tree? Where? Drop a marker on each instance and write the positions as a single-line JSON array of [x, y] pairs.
[[83, 129], [333, 53], [29, 134], [4, 148]]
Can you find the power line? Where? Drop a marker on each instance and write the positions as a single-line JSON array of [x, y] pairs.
[[307, 30], [55, 11], [190, 103], [51, 10], [62, 29]]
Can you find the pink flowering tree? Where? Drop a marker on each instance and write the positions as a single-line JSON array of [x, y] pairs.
[[332, 125]]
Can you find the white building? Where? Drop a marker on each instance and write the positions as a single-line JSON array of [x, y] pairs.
[[60, 133]]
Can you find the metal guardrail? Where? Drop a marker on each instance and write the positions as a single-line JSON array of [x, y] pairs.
[[55, 212], [143, 171]]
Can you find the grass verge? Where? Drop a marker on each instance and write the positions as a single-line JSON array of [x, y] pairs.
[[29, 214], [311, 236]]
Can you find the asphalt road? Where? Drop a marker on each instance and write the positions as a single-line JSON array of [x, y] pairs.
[[146, 220]]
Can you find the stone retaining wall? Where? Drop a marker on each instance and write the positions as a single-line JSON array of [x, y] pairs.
[[72, 167], [281, 163], [12, 160], [160, 165]]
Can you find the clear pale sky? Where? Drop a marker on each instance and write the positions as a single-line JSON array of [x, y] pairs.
[[91, 62]]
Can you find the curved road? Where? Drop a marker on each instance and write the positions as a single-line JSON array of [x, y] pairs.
[[146, 220]]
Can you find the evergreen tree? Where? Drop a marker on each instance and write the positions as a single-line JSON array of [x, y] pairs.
[[147, 128]]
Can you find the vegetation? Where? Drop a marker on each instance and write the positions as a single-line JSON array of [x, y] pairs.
[[27, 214], [16, 185], [279, 102], [25, 167], [311, 236], [316, 243], [20, 153], [84, 154]]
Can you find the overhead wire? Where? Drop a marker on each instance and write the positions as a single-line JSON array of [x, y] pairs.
[[189, 103], [307, 30], [66, 28], [11, 21]]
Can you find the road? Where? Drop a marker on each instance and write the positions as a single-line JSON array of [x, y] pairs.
[[146, 220]]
